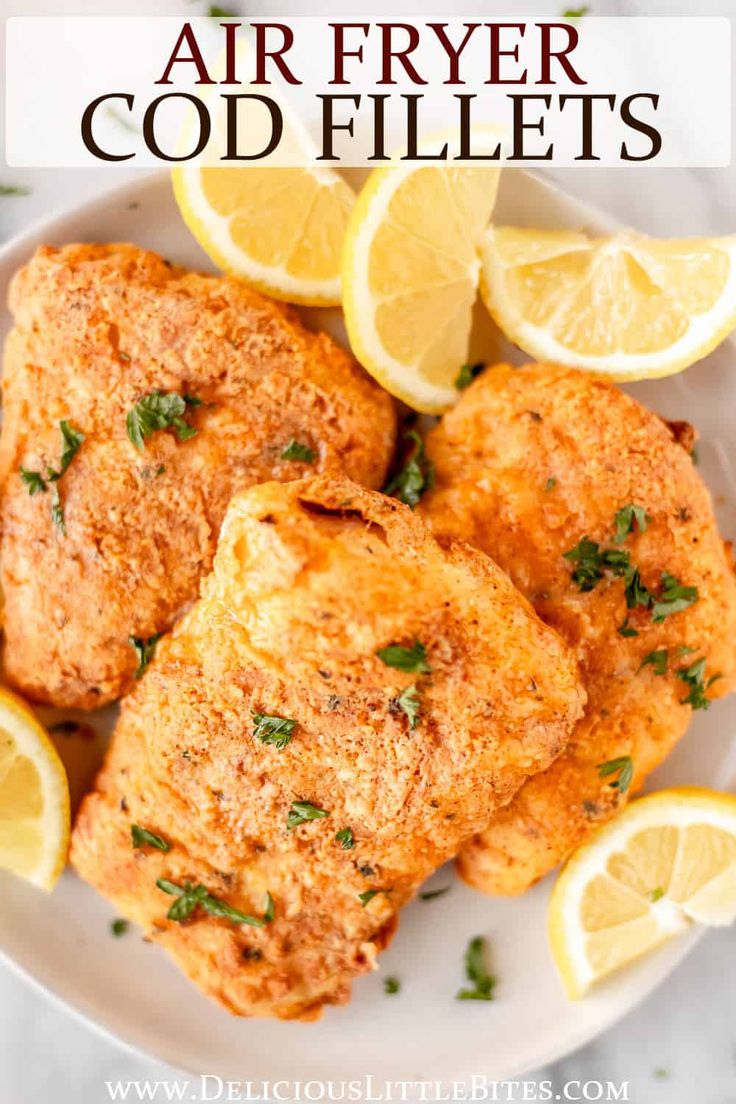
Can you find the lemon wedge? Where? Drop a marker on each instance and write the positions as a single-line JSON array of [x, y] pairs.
[[410, 276], [34, 797], [626, 306], [667, 861], [279, 229]]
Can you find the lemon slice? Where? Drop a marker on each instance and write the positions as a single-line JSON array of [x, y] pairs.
[[34, 797], [627, 306], [666, 861], [410, 276]]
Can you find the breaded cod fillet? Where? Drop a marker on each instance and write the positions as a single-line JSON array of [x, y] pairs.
[[98, 329], [368, 771], [529, 464]]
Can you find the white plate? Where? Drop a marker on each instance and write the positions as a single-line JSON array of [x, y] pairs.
[[130, 990]]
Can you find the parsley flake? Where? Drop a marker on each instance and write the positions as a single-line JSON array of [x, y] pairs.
[[433, 894], [57, 511], [623, 767], [694, 678], [476, 971], [119, 927], [467, 374], [272, 729], [656, 895], [159, 410], [391, 985], [672, 598], [416, 476], [34, 481], [657, 661], [141, 837], [550, 484], [145, 649], [367, 896], [302, 811], [269, 908], [625, 520], [408, 703], [216, 12], [71, 440], [576, 13], [589, 570], [626, 629], [296, 451], [14, 190], [636, 593], [189, 897], [413, 661], [346, 838]]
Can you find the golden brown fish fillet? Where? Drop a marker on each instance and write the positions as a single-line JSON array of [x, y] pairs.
[[311, 579], [530, 461], [98, 327]]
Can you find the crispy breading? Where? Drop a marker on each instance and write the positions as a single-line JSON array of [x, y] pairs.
[[311, 579], [97, 328], [530, 461]]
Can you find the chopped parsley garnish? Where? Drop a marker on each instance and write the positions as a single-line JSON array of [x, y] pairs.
[[346, 838], [296, 451], [269, 908], [625, 520], [141, 837], [636, 593], [119, 927], [592, 562], [587, 555], [672, 598], [367, 896], [272, 729], [71, 440], [550, 484], [160, 410], [57, 511], [416, 476], [408, 703], [694, 678], [657, 661], [433, 894], [576, 13], [216, 12], [656, 895], [467, 374], [476, 971], [145, 649], [189, 897], [33, 480], [623, 767], [391, 985], [302, 811], [626, 629], [14, 190], [413, 661]]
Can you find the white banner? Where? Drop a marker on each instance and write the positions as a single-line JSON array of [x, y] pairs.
[[592, 91]]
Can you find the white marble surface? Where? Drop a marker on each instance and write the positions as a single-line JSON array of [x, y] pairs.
[[680, 1045]]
